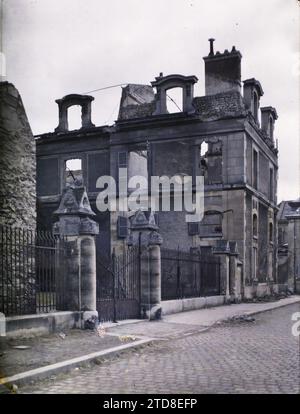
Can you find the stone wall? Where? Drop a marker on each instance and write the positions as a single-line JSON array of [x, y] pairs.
[[17, 161]]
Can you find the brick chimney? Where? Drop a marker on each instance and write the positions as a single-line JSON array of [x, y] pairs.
[[222, 71]]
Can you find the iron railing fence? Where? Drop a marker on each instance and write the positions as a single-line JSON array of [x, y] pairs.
[[188, 274], [30, 270]]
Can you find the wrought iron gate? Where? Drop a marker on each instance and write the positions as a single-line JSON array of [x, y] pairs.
[[189, 275], [118, 285]]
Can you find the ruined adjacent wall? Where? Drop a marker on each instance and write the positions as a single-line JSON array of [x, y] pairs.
[[17, 161]]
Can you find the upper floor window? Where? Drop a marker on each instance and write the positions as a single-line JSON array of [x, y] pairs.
[[74, 117], [174, 100], [73, 172]]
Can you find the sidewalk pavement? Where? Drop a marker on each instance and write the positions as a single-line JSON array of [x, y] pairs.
[[43, 356]]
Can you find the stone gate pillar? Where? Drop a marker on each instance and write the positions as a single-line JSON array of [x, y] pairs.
[[76, 284], [144, 234], [234, 273], [222, 249]]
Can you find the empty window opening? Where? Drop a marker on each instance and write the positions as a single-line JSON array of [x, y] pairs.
[[73, 172], [203, 149], [174, 100], [74, 117], [211, 165]]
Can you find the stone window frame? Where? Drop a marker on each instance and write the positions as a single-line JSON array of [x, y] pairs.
[[209, 141], [72, 156], [139, 147]]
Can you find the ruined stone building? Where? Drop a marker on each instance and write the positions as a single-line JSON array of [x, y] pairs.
[[17, 161], [224, 136], [17, 203], [289, 244]]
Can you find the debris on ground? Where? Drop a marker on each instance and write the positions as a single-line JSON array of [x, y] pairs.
[[100, 331], [127, 338], [240, 318]]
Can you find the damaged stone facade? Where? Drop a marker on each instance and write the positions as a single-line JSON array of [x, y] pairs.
[[17, 161], [224, 136]]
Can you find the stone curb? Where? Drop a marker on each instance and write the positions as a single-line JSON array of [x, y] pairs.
[[65, 366], [277, 305]]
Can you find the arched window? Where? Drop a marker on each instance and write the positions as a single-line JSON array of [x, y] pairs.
[[255, 225]]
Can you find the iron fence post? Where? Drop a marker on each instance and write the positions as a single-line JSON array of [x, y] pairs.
[[114, 285]]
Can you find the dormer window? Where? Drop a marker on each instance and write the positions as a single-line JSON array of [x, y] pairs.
[[182, 102], [174, 100], [252, 94], [84, 103], [268, 118]]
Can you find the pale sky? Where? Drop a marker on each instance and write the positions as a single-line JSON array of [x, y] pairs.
[[57, 47]]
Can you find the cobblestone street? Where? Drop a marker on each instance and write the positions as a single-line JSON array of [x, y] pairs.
[[236, 357]]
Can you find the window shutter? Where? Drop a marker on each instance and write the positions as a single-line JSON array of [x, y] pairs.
[[193, 229], [122, 227]]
